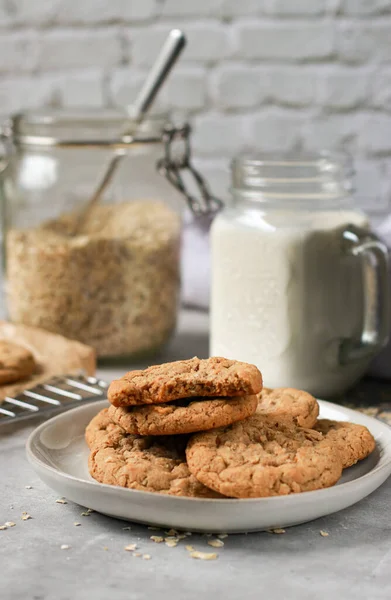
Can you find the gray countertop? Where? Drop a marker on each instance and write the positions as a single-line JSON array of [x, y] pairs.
[[353, 561]]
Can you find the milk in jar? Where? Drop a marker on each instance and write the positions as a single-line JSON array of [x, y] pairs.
[[296, 275]]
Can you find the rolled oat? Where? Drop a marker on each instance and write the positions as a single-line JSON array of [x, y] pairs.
[[114, 286]]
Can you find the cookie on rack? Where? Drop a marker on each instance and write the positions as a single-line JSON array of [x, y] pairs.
[[149, 464], [183, 416], [211, 377], [16, 362], [259, 458], [288, 404], [354, 442]]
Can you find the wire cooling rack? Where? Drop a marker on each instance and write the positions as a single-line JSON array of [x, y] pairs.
[[55, 394]]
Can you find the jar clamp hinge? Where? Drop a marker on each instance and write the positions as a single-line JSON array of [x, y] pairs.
[[174, 168]]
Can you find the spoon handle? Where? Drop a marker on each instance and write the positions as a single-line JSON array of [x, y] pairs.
[[169, 53]]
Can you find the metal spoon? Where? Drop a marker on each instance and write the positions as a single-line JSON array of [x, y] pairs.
[[172, 48]]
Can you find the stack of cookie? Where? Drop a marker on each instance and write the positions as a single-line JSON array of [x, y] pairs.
[[205, 428]]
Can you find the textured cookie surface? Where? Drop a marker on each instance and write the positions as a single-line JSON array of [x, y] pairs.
[[183, 416], [16, 362], [102, 431], [354, 442], [257, 458], [288, 404], [150, 464], [211, 377]]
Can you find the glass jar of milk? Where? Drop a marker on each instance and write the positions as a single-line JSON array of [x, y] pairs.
[[299, 283]]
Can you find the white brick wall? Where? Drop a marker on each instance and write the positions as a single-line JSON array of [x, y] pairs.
[[257, 74]]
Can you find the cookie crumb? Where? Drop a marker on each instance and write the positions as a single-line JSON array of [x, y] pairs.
[[28, 487], [146, 556], [216, 543], [171, 543], [61, 501], [136, 554], [157, 539], [203, 555], [77, 524], [222, 536], [9, 524], [25, 516], [171, 532], [190, 548], [276, 530], [323, 533], [130, 547], [126, 528], [64, 547]]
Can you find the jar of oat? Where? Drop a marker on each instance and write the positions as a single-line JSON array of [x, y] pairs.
[[91, 226]]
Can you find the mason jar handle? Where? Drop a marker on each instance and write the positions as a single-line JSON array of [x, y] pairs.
[[173, 166], [373, 255]]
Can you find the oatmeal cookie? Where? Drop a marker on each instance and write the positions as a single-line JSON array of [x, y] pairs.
[[150, 464], [212, 377], [183, 416], [354, 442], [288, 404], [258, 458], [16, 362], [101, 430]]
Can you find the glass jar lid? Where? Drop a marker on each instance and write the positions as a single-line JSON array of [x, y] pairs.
[[321, 174], [92, 127]]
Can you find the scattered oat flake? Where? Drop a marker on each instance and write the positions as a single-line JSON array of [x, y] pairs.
[[136, 554], [181, 536], [77, 524], [371, 411], [130, 547], [190, 548], [87, 512], [203, 555], [171, 538], [64, 547], [146, 556], [126, 528], [2, 527], [171, 532], [157, 539], [385, 416], [61, 501], [207, 535], [323, 533], [216, 543], [188, 533], [277, 530], [28, 487], [9, 524], [171, 543], [25, 516], [222, 536], [105, 547], [154, 528]]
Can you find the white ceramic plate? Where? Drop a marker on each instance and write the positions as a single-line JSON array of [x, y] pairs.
[[58, 453]]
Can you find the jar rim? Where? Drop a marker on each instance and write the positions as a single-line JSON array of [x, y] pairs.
[[291, 158], [295, 174], [84, 126]]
